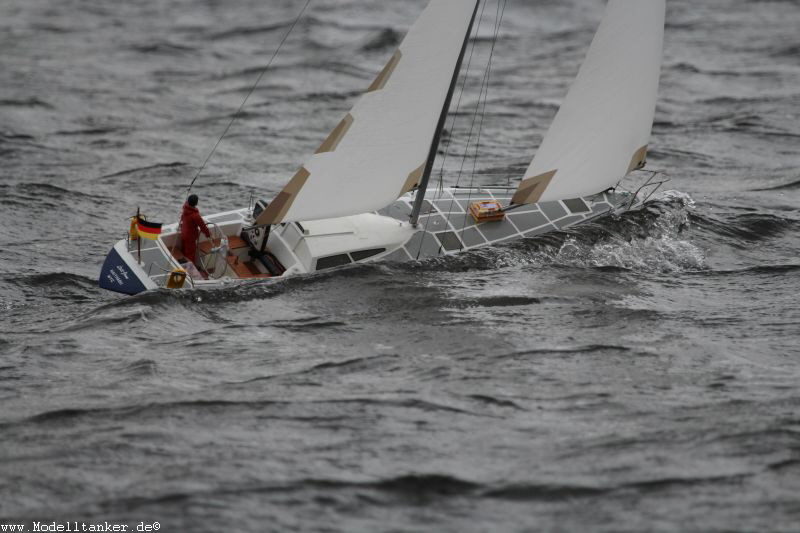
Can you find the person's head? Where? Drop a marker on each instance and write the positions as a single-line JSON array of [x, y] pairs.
[[192, 200]]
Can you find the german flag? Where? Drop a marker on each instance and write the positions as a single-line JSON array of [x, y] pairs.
[[148, 230]]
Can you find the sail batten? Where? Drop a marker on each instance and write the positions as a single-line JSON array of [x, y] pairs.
[[602, 130], [374, 155]]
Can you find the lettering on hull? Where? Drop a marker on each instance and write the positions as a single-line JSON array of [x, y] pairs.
[[117, 276]]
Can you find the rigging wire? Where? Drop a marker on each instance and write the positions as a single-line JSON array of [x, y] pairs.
[[483, 94], [249, 94], [449, 139], [239, 112], [484, 87], [484, 91], [452, 124], [498, 22]]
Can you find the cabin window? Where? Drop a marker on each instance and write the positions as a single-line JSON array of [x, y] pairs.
[[333, 261], [365, 254]]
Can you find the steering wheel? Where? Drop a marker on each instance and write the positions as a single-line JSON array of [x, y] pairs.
[[217, 253]]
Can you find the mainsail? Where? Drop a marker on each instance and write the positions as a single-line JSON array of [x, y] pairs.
[[379, 150], [602, 131]]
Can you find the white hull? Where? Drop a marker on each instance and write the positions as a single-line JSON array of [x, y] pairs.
[[445, 228]]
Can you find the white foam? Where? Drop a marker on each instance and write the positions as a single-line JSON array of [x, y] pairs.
[[661, 245]]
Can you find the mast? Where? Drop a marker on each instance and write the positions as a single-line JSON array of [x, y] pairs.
[[426, 175]]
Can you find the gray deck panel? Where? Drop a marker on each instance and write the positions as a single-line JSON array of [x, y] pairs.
[[577, 205], [565, 222], [472, 237], [497, 230], [400, 255], [540, 230], [433, 223], [422, 245], [448, 206], [553, 210], [461, 220], [528, 221], [427, 208], [449, 241], [601, 207]]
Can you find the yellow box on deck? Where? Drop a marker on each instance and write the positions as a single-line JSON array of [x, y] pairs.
[[486, 210]]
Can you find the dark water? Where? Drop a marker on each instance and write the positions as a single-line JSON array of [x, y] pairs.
[[641, 374]]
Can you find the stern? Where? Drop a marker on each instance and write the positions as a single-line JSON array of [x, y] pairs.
[[120, 273]]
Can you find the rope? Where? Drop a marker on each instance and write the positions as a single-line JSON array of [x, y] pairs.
[[249, 94]]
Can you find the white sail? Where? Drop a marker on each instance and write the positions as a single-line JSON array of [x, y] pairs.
[[379, 150], [602, 130]]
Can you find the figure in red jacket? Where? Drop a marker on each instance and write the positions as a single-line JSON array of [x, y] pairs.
[[191, 226]]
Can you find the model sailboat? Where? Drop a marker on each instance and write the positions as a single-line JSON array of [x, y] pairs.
[[362, 196]]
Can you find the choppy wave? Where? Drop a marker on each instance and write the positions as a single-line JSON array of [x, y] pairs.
[[243, 31], [427, 488], [182, 407], [387, 38], [789, 52], [743, 229], [141, 368], [61, 280], [27, 102], [90, 131], [770, 270], [147, 169], [162, 47], [791, 186]]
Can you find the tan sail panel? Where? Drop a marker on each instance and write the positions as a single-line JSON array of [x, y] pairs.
[[413, 179], [531, 189], [639, 159], [386, 73], [336, 135], [277, 209]]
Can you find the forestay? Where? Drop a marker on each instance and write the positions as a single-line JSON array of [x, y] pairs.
[[602, 130], [379, 150]]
